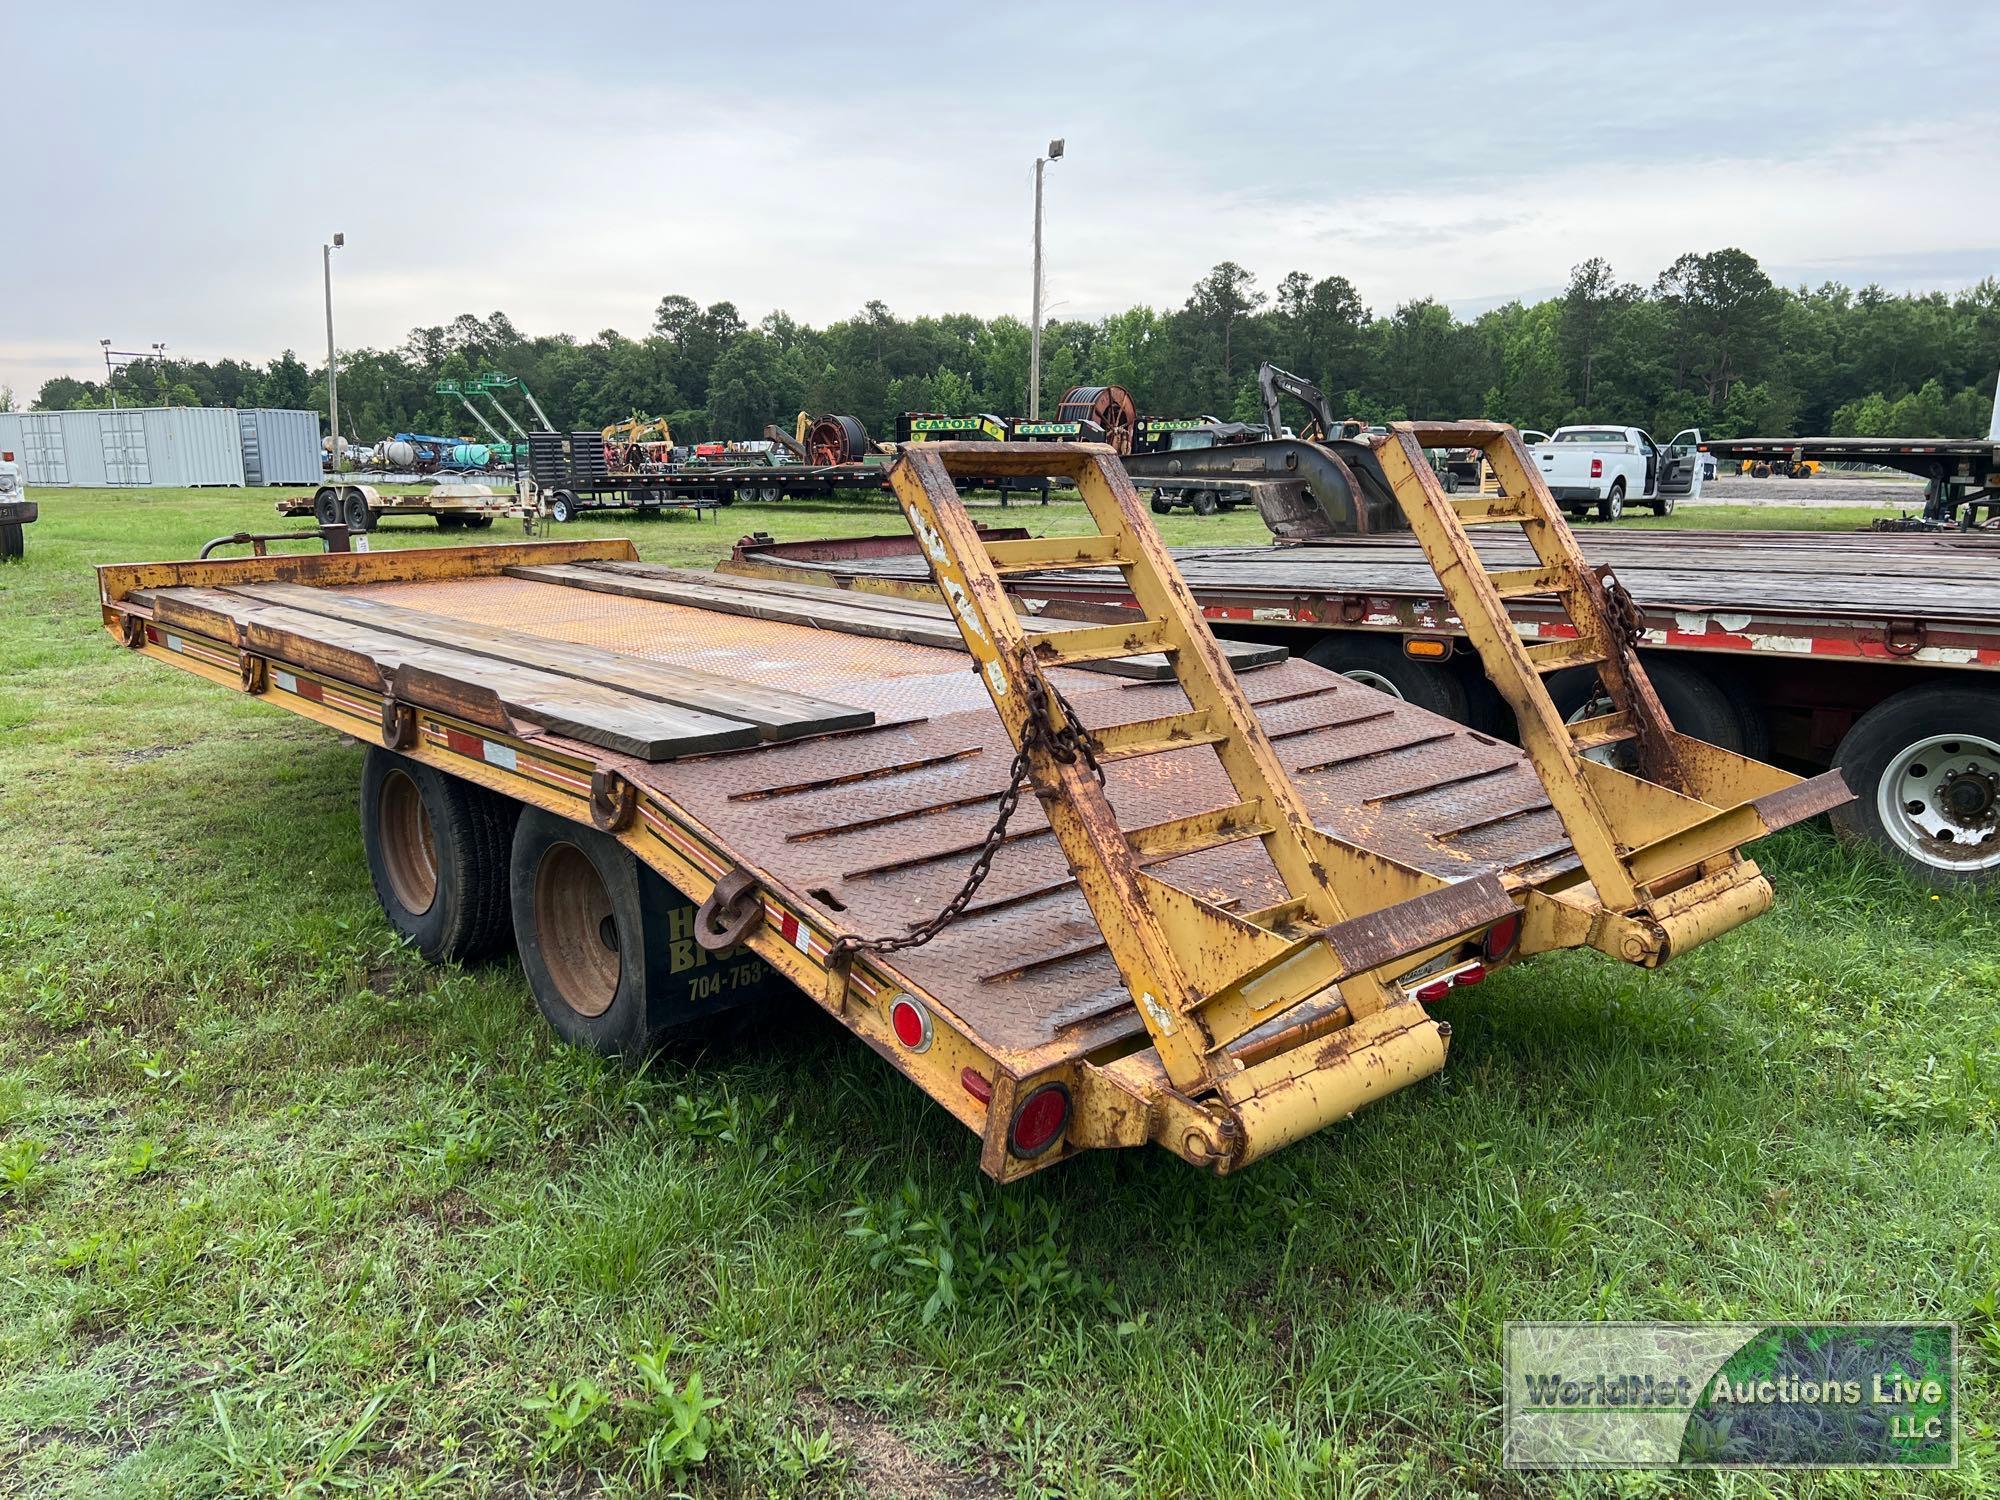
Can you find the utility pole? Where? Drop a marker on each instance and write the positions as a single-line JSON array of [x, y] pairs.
[[1035, 328], [332, 375], [105, 344]]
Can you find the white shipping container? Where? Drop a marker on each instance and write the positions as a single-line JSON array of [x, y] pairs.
[[162, 446]]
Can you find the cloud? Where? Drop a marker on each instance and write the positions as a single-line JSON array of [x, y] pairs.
[[184, 167]]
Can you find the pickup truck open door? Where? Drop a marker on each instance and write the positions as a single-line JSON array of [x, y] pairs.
[[1680, 470]]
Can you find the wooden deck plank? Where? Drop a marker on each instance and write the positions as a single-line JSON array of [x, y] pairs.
[[913, 621], [579, 710], [777, 712]]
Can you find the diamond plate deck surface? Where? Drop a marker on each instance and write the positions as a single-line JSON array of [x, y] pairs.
[[874, 829]]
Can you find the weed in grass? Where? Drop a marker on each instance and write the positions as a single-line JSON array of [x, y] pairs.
[[574, 1427], [669, 1421], [22, 1174]]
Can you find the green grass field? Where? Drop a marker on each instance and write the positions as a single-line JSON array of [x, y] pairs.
[[283, 1210]]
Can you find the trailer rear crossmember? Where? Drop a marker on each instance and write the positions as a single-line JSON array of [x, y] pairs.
[[1216, 929]]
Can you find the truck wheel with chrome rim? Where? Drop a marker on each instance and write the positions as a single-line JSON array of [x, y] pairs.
[[1924, 767], [1612, 506], [437, 853]]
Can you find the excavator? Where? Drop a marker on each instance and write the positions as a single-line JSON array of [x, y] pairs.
[[626, 443], [1320, 483]]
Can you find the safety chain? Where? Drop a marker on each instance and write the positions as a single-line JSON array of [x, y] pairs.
[[1621, 608], [1068, 745]]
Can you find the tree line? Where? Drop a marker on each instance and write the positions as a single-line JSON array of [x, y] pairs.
[[1710, 342]]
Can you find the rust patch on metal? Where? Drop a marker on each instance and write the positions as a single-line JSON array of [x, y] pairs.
[[1380, 937], [1805, 799], [731, 912], [614, 801]]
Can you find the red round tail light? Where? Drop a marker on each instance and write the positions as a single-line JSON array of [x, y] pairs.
[[1039, 1120], [911, 1023], [1500, 938]]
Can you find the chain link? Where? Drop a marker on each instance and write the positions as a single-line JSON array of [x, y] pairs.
[[1068, 745], [1622, 609]]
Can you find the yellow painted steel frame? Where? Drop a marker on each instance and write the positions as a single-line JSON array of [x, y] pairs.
[[531, 767], [1682, 819], [1200, 976]]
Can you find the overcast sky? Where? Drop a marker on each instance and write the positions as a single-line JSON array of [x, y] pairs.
[[171, 171]]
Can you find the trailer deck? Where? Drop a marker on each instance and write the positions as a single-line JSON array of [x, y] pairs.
[[1214, 926], [1866, 595], [863, 823]]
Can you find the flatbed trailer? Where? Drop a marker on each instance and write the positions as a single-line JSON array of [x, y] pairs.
[[1958, 473], [362, 507], [1215, 926], [725, 485], [1877, 653]]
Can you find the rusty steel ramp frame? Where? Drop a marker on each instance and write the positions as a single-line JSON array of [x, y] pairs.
[[1351, 921]]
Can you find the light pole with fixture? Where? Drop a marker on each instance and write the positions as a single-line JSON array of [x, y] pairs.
[[117, 359], [332, 378], [1035, 328]]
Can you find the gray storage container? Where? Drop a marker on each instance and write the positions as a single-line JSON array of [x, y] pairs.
[[279, 446]]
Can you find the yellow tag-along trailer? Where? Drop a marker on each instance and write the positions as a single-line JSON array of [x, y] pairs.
[[1115, 884]]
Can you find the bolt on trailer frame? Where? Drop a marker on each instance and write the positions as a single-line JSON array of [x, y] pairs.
[[1101, 994]]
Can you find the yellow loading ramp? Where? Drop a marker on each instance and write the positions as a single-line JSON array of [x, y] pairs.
[[1661, 862]]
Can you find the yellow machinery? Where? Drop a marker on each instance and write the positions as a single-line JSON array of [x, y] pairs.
[[637, 429], [1659, 846]]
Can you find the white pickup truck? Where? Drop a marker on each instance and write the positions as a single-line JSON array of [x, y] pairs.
[[1606, 468]]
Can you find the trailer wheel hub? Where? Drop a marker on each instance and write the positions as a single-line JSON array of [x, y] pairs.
[[409, 844], [1939, 800], [578, 930], [1968, 796]]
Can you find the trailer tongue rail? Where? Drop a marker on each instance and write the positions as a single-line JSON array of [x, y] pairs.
[[1217, 930]]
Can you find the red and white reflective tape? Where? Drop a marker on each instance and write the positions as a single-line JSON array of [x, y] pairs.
[[795, 932]]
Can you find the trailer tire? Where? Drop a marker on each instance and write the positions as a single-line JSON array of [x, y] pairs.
[[771, 494], [1377, 661], [1161, 507], [1917, 743], [437, 853], [562, 507], [478, 523], [1695, 705], [1206, 503], [326, 506], [594, 927], [1612, 506], [354, 506]]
